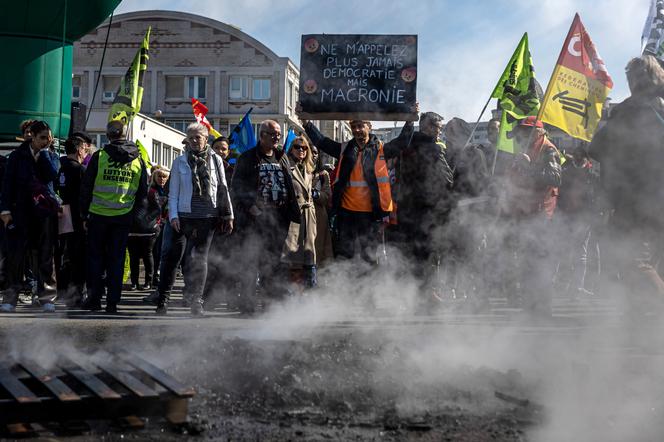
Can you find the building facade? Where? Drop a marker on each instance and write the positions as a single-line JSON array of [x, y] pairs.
[[190, 57]]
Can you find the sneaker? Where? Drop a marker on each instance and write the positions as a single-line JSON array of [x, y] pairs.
[[111, 309], [132, 288], [162, 310], [147, 286], [48, 307], [91, 305], [7, 308]]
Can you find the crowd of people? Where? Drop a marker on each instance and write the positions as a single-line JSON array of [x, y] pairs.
[[469, 220]]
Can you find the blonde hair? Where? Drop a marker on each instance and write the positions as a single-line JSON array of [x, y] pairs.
[[158, 170], [308, 161], [645, 76]]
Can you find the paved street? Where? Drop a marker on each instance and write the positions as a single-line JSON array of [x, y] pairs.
[[588, 351]]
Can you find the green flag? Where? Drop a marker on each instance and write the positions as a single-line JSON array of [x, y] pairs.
[[517, 91], [144, 154], [128, 99]]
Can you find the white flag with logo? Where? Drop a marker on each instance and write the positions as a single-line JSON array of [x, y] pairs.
[[652, 39]]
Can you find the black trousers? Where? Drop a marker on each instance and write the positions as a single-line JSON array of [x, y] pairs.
[[193, 242], [34, 242], [156, 256], [258, 255], [358, 230], [107, 242], [71, 266], [140, 248], [222, 271]]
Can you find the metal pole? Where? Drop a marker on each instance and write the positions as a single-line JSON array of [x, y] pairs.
[[477, 123]]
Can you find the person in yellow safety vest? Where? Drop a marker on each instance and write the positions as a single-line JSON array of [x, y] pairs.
[[361, 197], [115, 179]]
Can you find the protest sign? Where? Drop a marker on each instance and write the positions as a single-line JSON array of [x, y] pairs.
[[366, 77]]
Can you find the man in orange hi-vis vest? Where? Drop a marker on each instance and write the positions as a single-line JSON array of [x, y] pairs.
[[361, 197]]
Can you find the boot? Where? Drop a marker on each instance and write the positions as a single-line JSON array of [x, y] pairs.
[[197, 308], [162, 309], [152, 299], [311, 277], [162, 303]]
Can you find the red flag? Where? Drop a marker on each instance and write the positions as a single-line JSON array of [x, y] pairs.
[[580, 54], [579, 86], [200, 111]]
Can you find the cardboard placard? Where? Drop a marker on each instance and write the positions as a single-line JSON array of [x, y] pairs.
[[364, 77]]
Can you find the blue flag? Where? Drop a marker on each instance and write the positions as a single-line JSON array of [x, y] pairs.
[[243, 137], [289, 139]]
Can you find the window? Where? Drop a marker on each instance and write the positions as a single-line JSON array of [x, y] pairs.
[[76, 87], [291, 94], [238, 88], [167, 156], [260, 89], [174, 86], [156, 152], [196, 87], [102, 140], [111, 86], [180, 125]]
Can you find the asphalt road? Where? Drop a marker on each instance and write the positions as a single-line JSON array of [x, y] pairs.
[[597, 371]]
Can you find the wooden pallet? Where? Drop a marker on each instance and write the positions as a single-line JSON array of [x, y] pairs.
[[121, 387]]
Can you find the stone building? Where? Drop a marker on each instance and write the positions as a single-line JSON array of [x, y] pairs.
[[190, 56]]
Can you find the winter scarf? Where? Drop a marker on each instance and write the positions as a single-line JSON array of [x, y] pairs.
[[200, 174]]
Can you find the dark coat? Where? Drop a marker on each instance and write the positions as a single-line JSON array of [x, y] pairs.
[[334, 149], [69, 188], [244, 188], [630, 149], [577, 189], [20, 172], [424, 181]]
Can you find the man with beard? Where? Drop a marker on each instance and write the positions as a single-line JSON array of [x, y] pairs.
[[361, 196], [265, 203]]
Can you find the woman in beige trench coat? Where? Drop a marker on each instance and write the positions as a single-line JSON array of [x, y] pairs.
[[300, 249]]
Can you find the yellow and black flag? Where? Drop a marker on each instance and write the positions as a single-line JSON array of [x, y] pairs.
[[128, 99], [517, 91], [579, 86]]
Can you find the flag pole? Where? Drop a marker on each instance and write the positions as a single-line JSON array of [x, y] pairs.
[[495, 154], [555, 69], [477, 123]]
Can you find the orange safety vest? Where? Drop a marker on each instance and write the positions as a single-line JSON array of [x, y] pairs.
[[357, 188]]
